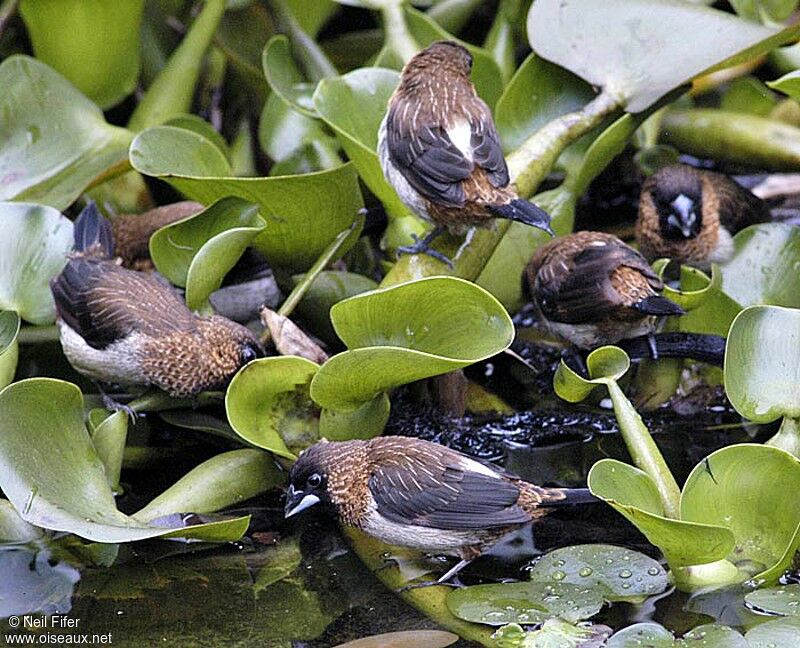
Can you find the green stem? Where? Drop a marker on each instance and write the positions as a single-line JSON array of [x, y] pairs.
[[527, 167], [788, 436], [500, 39], [7, 10], [158, 401], [172, 91], [398, 36], [38, 334], [309, 54], [643, 450]]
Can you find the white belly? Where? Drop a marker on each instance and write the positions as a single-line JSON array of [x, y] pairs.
[[117, 363]]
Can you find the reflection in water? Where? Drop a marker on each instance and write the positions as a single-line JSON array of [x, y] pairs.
[[34, 582]]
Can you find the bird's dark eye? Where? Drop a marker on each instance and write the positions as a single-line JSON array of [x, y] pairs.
[[314, 481], [249, 353]]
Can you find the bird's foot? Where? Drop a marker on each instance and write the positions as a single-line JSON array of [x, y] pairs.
[[651, 343], [421, 247], [115, 406]]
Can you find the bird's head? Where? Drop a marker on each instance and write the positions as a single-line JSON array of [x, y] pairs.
[[677, 195], [308, 479], [438, 59], [231, 346]]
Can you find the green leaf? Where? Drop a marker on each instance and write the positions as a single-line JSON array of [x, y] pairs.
[[33, 249], [363, 422], [616, 573], [303, 213], [783, 600], [197, 252], [761, 380], [50, 471], [610, 43], [633, 494], [224, 480], [538, 92], [13, 528], [353, 105], [268, 404], [408, 332], [9, 347], [772, 634], [200, 126], [748, 95], [605, 365], [526, 603], [52, 149], [554, 633], [788, 84], [742, 487], [653, 635], [109, 431], [284, 78], [764, 10], [405, 639], [764, 266], [94, 44]]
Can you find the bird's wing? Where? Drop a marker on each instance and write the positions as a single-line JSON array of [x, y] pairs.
[[103, 302], [577, 288], [486, 149], [445, 490], [737, 206]]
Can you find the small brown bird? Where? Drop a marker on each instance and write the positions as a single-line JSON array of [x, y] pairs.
[[126, 327], [592, 289], [413, 493], [132, 232], [440, 150], [691, 215]]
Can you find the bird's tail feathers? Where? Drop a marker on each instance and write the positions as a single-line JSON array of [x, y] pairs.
[[552, 497], [525, 212], [93, 234], [658, 305]]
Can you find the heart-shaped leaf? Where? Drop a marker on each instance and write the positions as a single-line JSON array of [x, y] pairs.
[[408, 332], [9, 347], [284, 78], [197, 252], [525, 603], [654, 635], [779, 632], [33, 249], [303, 212], [50, 471], [783, 600], [621, 45], [268, 404], [616, 573], [52, 150]]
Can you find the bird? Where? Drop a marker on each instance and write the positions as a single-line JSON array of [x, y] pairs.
[[413, 493], [439, 149], [691, 215], [129, 328], [132, 232], [592, 289]]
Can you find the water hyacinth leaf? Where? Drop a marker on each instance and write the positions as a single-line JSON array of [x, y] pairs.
[[52, 150], [654, 635], [761, 380], [627, 62], [748, 95], [605, 364], [779, 632], [772, 10], [408, 332], [538, 92], [201, 127], [197, 252], [13, 528], [764, 266], [268, 404], [618, 574], [788, 84], [524, 603], [284, 78], [783, 600], [363, 422], [633, 494], [50, 471], [224, 480], [303, 212], [405, 639], [554, 633], [742, 488], [354, 105], [9, 347], [94, 44], [109, 433], [33, 249]]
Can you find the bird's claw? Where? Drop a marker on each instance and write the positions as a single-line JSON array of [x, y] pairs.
[[421, 247], [115, 406]]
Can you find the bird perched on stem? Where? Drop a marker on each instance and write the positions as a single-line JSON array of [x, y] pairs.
[[413, 493], [126, 327], [592, 289], [691, 215], [440, 150]]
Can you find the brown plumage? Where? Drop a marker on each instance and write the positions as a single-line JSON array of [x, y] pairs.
[[413, 493], [127, 327], [592, 289], [132, 232], [690, 215], [440, 150]]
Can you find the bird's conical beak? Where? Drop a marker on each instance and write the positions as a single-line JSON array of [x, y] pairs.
[[297, 501]]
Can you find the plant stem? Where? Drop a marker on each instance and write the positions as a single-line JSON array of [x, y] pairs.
[[643, 450], [527, 167], [38, 334], [788, 436], [396, 31], [309, 54]]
